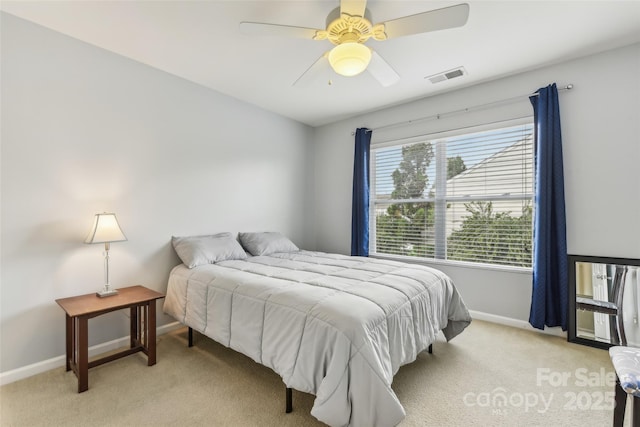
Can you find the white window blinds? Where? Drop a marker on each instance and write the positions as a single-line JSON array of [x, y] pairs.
[[467, 197]]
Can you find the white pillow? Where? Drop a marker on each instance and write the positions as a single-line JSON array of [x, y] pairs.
[[209, 249], [266, 243]]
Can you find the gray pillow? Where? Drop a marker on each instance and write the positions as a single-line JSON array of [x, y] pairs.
[[209, 249], [266, 243]]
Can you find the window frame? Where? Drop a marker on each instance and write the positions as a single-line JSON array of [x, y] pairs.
[[433, 138]]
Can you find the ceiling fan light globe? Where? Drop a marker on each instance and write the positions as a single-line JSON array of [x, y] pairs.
[[349, 59]]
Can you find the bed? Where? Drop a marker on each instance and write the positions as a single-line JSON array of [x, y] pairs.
[[335, 326]]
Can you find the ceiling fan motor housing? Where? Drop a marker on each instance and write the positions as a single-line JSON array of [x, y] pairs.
[[345, 28]]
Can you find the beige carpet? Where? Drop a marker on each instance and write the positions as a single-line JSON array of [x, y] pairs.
[[490, 375]]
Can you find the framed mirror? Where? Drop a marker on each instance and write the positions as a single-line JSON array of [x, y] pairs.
[[604, 301]]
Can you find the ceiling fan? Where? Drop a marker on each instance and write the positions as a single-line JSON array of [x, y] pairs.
[[349, 27]]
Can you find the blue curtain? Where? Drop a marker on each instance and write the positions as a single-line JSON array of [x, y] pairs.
[[360, 202], [549, 302]]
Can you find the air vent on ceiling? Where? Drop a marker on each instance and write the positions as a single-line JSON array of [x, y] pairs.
[[447, 75]]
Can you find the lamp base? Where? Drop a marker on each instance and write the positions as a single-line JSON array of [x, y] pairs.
[[107, 293]]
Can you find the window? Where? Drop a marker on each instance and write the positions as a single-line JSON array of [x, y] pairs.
[[465, 196]]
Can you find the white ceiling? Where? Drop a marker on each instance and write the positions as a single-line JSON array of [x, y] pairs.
[[201, 42]]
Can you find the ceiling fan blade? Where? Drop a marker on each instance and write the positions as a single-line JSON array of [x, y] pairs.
[[433, 20], [353, 7], [264, 29], [313, 72], [382, 71]]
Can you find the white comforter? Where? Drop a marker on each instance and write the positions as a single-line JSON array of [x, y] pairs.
[[336, 326]]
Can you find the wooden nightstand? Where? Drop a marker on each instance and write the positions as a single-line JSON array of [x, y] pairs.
[[79, 309]]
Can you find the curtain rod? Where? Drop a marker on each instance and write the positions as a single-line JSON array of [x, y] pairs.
[[464, 110]]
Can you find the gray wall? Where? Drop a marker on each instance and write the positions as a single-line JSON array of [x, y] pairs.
[[601, 140], [86, 131]]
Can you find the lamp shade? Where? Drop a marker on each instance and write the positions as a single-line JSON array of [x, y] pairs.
[[105, 229], [349, 58]]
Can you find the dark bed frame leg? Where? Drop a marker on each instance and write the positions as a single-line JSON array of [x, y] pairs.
[[289, 406], [430, 348], [289, 394]]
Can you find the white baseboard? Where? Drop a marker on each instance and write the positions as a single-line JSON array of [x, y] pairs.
[[59, 361], [516, 323]]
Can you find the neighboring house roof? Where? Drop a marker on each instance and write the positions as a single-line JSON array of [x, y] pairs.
[[495, 175]]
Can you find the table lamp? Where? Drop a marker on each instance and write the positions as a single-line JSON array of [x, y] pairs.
[[105, 230]]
